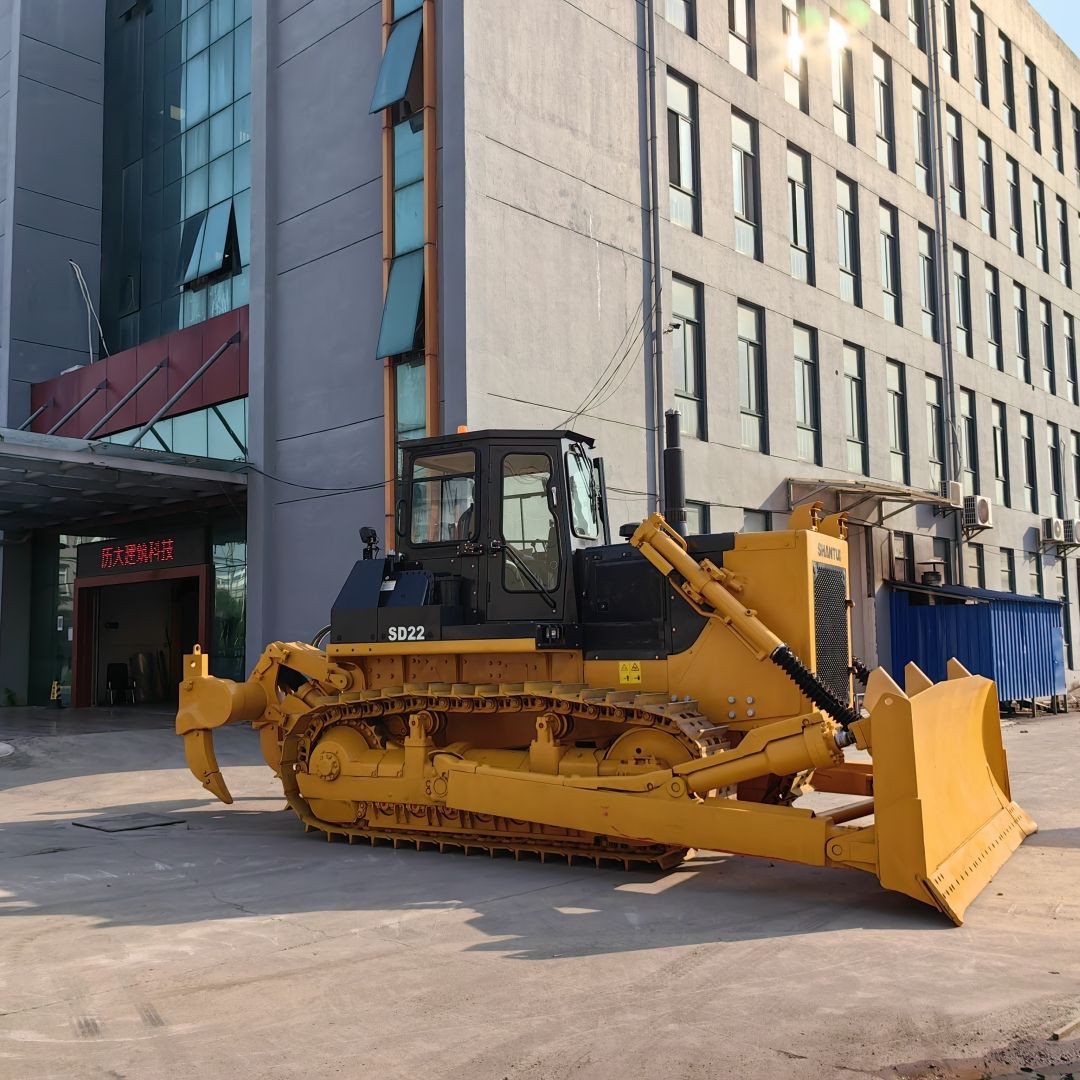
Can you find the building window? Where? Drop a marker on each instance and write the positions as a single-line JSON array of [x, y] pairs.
[[752, 401], [889, 235], [744, 175], [969, 443], [1008, 570], [1016, 224], [1064, 256], [1046, 322], [903, 556], [1076, 473], [847, 239], [800, 227], [688, 355], [756, 521], [741, 36], [935, 431], [920, 107], [842, 82], [1055, 128], [978, 51], [880, 7], [883, 110], [1076, 143], [1020, 325], [683, 153], [1031, 480], [1038, 211], [697, 518], [916, 23], [858, 460], [1002, 488], [928, 283], [943, 557], [410, 402], [948, 45], [1066, 611], [795, 70], [681, 15], [962, 299], [899, 467], [807, 409], [1008, 92], [995, 357], [954, 160], [1034, 132], [1053, 454], [975, 567], [1070, 360], [401, 328], [988, 219], [1035, 572]]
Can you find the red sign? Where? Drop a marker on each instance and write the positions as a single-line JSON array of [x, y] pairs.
[[148, 553]]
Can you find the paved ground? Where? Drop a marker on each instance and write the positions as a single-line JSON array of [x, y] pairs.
[[231, 945]]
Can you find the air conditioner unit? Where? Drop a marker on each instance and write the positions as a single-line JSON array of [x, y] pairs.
[[1053, 530], [1072, 530], [978, 512], [953, 493]]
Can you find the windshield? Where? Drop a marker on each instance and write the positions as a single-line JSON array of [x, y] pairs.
[[528, 525], [582, 484], [443, 498]]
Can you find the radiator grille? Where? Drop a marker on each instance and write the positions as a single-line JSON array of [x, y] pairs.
[[832, 649]]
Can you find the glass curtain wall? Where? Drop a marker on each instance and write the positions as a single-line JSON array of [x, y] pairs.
[[177, 167]]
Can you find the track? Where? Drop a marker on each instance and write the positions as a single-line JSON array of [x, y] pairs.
[[592, 716]]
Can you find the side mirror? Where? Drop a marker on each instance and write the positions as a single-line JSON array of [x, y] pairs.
[[628, 530], [399, 519]]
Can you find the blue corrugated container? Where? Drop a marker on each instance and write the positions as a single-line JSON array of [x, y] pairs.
[[1015, 640]]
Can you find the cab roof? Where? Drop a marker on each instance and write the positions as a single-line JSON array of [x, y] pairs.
[[529, 435]]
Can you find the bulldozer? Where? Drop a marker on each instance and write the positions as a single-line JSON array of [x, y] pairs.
[[506, 679]]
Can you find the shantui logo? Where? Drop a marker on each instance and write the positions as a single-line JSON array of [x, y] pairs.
[[828, 551], [137, 554]]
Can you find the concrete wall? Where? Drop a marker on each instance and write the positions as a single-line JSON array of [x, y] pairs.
[[555, 181], [51, 88], [316, 302]]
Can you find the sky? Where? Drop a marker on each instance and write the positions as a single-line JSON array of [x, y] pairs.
[[1064, 17]]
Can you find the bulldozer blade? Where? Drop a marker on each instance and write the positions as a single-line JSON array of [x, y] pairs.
[[944, 819], [202, 761]]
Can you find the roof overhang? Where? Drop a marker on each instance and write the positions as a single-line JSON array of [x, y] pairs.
[[77, 485]]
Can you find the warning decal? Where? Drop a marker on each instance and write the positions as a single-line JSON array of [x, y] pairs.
[[630, 671]]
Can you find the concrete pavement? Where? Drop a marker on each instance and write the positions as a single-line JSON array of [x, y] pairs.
[[232, 945]]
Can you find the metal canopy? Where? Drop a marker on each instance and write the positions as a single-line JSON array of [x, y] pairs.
[[47, 481], [854, 496]]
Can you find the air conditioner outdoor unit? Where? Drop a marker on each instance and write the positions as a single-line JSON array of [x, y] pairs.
[[1072, 530], [978, 512], [952, 491], [1053, 530]]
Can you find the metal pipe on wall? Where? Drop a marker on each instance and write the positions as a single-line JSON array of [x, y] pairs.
[[654, 321]]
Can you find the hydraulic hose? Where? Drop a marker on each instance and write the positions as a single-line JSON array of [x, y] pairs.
[[815, 690]]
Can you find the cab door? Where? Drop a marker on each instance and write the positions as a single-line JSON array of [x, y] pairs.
[[525, 561]]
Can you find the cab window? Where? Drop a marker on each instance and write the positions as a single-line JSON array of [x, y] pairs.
[[443, 498], [529, 530], [581, 484]]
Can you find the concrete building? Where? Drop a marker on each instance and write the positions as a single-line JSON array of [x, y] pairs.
[[384, 219]]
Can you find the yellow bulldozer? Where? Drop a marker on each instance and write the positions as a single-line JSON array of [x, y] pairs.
[[508, 680]]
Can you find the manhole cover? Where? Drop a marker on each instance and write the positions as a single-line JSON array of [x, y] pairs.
[[128, 822]]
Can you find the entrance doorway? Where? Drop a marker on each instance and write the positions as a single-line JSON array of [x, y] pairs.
[[131, 634]]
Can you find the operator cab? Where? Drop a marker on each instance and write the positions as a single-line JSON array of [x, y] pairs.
[[487, 528]]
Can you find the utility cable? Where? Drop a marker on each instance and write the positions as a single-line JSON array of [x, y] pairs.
[[89, 312]]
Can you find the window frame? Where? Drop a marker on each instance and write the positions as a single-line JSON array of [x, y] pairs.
[[753, 378], [899, 441], [847, 240], [807, 395]]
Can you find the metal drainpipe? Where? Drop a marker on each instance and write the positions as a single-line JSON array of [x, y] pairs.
[[656, 320], [941, 216]]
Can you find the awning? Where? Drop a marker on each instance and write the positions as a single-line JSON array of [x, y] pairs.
[[80, 486], [392, 83]]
